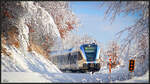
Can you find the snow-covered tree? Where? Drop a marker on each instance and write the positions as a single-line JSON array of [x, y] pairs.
[[73, 40], [63, 16], [113, 52], [136, 44], [138, 32], [44, 21]]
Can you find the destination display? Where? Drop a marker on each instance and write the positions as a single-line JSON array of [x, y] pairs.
[[89, 49]]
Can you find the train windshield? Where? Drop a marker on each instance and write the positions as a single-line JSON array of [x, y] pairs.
[[90, 51]]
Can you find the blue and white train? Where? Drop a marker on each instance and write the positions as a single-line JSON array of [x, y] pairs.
[[84, 59]]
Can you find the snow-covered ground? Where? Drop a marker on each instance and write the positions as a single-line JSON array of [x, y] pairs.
[[26, 62], [118, 75], [23, 77], [141, 79], [66, 78]]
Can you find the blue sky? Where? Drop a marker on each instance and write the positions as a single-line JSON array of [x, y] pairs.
[[94, 24]]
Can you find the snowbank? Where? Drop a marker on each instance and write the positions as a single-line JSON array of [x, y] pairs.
[[26, 61], [67, 78], [141, 79], [20, 59], [23, 77]]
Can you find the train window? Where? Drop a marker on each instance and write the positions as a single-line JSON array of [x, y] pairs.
[[79, 56], [90, 49], [73, 59], [90, 52]]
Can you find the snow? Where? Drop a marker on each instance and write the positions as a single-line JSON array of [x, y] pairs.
[[23, 77], [41, 19], [142, 79], [29, 61], [118, 75], [21, 60], [66, 78], [63, 51], [25, 66], [32, 67]]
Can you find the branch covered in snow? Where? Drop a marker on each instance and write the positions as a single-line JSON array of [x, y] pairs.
[[137, 33], [63, 16]]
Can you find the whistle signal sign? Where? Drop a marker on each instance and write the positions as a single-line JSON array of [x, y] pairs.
[[131, 65]]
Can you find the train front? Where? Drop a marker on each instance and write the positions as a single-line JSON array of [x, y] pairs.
[[90, 57]]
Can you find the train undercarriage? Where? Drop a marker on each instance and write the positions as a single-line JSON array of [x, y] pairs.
[[90, 67]]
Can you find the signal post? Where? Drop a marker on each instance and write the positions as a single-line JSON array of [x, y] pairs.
[[110, 65], [131, 67], [110, 68]]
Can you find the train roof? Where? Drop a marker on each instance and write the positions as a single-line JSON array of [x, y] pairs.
[[67, 51], [89, 44], [63, 52]]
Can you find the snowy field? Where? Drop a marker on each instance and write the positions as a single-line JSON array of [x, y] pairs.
[[65, 78], [142, 79], [102, 76]]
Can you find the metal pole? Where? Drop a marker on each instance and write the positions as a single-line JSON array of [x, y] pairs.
[[131, 75], [109, 65], [110, 69]]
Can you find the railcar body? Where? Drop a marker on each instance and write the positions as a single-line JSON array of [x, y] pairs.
[[86, 58]]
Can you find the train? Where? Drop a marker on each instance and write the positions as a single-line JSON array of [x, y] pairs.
[[85, 58]]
